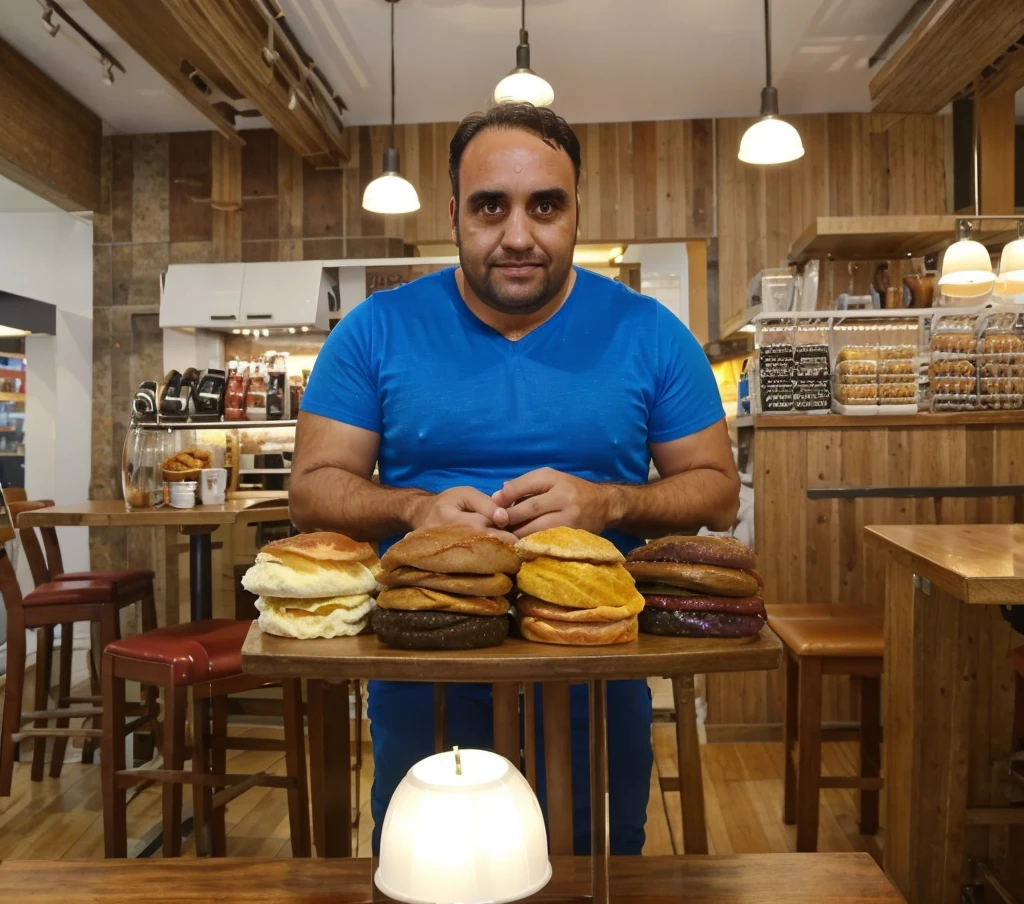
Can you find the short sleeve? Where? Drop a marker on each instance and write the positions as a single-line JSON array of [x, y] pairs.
[[343, 384], [686, 396]]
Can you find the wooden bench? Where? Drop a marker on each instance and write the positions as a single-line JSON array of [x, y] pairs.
[[734, 879]]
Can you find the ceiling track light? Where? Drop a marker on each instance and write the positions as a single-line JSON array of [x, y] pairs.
[[107, 60], [389, 193], [770, 140], [522, 84], [51, 27], [108, 72]]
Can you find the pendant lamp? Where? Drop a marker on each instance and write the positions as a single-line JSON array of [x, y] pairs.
[[390, 193], [1011, 264], [522, 83], [770, 139], [966, 266]]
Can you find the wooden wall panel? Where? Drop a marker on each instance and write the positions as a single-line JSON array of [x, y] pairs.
[[814, 551]]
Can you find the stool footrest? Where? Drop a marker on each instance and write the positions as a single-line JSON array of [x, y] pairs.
[[859, 784], [230, 743], [185, 777], [50, 714], [57, 733]]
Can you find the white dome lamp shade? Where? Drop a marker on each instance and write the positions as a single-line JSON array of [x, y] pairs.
[[522, 84], [1011, 265], [966, 267], [463, 827], [770, 140], [389, 193]]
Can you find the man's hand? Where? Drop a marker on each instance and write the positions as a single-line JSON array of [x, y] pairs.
[[555, 500], [463, 505]]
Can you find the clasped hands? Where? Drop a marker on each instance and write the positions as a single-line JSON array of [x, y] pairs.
[[534, 502]]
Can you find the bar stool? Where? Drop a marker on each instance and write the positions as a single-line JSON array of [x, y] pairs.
[[205, 656], [127, 587], [828, 639]]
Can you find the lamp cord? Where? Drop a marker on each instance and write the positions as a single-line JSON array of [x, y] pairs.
[[523, 26], [767, 46], [392, 4]]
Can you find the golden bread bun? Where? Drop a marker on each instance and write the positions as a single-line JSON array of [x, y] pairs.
[[568, 543], [323, 546], [420, 598], [452, 549], [710, 579], [579, 585], [337, 623], [577, 635], [465, 584], [296, 577], [535, 608]]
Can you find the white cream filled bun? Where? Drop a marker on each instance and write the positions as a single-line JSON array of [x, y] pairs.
[[313, 566], [305, 619]]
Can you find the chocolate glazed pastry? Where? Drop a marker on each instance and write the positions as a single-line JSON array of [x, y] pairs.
[[735, 605], [725, 552], [678, 623], [427, 630]]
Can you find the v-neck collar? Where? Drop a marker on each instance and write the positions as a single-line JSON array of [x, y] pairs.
[[459, 303]]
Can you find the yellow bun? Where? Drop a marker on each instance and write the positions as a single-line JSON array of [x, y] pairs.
[[569, 543], [577, 635], [294, 577], [579, 585], [535, 608], [420, 598], [338, 622]]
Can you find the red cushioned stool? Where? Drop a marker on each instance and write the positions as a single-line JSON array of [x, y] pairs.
[[127, 587], [205, 656]]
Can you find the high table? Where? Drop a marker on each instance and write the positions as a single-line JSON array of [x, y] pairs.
[[198, 523], [948, 701], [344, 659], [734, 879]]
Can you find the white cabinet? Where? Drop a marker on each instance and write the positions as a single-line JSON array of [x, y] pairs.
[[285, 293], [202, 295]]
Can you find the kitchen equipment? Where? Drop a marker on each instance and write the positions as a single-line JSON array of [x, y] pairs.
[[256, 396], [213, 484], [141, 477], [174, 398], [235, 392], [209, 396], [183, 494], [144, 404]]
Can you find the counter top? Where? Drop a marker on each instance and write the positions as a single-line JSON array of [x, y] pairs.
[[977, 563], [113, 513], [851, 421]]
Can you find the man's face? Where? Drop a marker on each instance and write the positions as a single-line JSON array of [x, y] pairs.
[[516, 219]]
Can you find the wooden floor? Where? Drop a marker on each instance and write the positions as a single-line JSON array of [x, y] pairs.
[[61, 818]]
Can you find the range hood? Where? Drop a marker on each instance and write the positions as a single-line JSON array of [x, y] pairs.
[[240, 297]]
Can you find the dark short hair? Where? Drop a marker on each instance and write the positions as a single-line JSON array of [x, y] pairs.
[[540, 121]]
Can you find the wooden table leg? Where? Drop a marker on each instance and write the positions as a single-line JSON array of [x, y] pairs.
[[808, 773], [558, 766], [691, 773], [599, 835], [870, 749], [790, 722], [440, 743], [530, 733], [333, 757], [505, 700]]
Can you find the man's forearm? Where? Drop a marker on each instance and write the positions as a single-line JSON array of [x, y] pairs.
[[687, 501], [335, 499]]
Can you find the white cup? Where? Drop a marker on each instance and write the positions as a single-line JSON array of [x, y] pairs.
[[213, 484], [183, 494]]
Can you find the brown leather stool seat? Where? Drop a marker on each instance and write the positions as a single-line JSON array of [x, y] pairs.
[[195, 652], [206, 657], [134, 582], [62, 593], [828, 639]]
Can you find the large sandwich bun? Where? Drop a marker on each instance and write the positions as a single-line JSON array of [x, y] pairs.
[[300, 578], [423, 599], [569, 543], [452, 549], [724, 552], [536, 608], [468, 584], [681, 623], [579, 585], [712, 580], [438, 630], [576, 633], [308, 619]]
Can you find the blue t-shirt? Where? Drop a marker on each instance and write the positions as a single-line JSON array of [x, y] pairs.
[[458, 404]]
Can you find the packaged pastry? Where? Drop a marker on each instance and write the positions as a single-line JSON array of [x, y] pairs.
[[997, 367], [850, 367], [896, 352], [858, 353], [954, 323], [857, 380], [1002, 344], [857, 395], [897, 391], [897, 366], [1002, 386], [960, 343], [953, 385], [951, 367], [1000, 322], [776, 361]]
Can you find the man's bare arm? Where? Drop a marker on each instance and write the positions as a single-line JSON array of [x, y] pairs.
[[331, 488], [699, 487]]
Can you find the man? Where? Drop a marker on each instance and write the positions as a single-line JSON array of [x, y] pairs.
[[513, 393]]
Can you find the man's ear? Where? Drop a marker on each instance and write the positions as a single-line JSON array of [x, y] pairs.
[[453, 217], [578, 231]]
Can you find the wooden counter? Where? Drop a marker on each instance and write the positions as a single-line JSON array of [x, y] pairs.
[[732, 879], [810, 518], [948, 702]]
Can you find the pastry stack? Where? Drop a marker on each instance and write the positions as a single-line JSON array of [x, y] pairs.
[[698, 587], [446, 589], [574, 590], [314, 585]]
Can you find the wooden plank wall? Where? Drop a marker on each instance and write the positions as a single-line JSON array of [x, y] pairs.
[[854, 164], [813, 551]]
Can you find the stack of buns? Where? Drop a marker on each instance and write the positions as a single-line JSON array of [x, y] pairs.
[[446, 589], [698, 587], [574, 590], [314, 585]]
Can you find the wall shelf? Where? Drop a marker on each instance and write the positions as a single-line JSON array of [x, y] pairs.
[[12, 397]]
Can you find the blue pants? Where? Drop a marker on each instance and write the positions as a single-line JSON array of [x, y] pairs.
[[402, 728]]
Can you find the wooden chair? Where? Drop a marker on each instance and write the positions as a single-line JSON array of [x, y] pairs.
[[828, 640], [127, 587], [206, 657]]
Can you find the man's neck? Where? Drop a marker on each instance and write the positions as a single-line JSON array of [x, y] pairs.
[[512, 326]]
